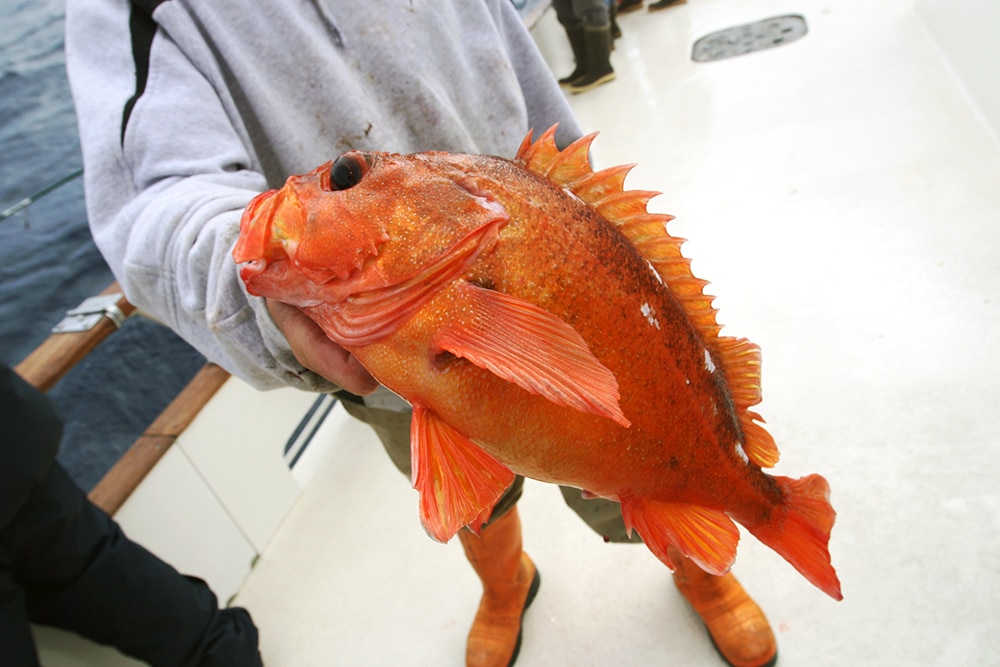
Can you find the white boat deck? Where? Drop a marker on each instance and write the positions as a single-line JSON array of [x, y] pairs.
[[842, 195]]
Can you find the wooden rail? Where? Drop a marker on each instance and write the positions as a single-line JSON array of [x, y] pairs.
[[57, 355], [51, 360]]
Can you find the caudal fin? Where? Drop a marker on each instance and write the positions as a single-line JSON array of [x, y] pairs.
[[799, 530]]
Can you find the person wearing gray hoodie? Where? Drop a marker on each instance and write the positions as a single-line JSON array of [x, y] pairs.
[[187, 110]]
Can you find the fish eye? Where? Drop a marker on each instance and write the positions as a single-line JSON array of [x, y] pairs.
[[346, 172]]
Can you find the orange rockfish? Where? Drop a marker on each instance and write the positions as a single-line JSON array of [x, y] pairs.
[[542, 322]]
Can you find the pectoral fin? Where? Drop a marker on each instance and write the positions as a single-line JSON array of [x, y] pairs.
[[526, 345], [706, 536], [459, 483]]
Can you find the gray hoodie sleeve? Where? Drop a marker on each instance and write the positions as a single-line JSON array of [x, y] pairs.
[[165, 210], [224, 114]]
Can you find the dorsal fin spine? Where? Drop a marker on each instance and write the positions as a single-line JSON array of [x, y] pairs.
[[594, 186], [538, 155], [621, 207], [525, 146], [573, 162]]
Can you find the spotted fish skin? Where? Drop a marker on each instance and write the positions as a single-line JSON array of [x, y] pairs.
[[541, 322]]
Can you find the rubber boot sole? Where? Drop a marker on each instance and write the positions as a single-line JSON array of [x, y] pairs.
[[770, 663], [660, 8], [584, 87]]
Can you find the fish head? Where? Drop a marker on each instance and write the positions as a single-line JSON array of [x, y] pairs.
[[295, 239], [359, 223]]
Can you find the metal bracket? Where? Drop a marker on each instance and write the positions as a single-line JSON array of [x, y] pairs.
[[88, 314]]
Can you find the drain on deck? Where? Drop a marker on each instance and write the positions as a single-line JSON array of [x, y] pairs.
[[748, 38]]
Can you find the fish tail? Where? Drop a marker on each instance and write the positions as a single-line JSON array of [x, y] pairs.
[[799, 530]]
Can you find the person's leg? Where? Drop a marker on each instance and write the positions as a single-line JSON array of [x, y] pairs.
[[64, 562], [509, 578], [80, 573], [736, 625], [573, 26], [30, 431], [17, 646], [626, 6], [510, 582], [596, 21], [603, 516], [392, 426], [566, 14], [592, 13], [616, 30]]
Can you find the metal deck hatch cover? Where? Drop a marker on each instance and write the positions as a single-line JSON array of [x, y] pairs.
[[749, 37]]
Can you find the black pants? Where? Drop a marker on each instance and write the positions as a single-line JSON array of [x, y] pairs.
[[65, 563]]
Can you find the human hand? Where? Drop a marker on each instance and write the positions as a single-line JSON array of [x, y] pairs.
[[317, 352]]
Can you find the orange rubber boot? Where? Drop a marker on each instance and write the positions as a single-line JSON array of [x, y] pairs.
[[738, 627], [510, 582]]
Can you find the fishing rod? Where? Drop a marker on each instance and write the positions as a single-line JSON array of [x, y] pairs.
[[29, 200]]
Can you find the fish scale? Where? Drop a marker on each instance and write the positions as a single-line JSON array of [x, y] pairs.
[[541, 321]]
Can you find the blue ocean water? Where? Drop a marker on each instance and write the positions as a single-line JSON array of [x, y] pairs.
[[48, 261]]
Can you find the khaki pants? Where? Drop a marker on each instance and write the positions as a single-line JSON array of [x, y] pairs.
[[393, 429]]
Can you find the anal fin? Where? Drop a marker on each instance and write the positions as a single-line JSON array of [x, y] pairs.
[[458, 482], [706, 536]]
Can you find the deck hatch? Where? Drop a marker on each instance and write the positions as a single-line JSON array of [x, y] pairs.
[[749, 37]]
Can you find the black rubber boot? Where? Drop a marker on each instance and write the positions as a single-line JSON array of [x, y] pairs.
[[579, 46], [664, 4], [599, 70]]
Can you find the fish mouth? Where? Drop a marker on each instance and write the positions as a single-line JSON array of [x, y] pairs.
[[273, 262], [249, 270], [255, 229], [262, 258]]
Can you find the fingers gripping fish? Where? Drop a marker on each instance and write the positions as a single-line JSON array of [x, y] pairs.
[[542, 322]]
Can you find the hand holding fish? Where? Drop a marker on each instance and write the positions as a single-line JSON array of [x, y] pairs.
[[317, 352]]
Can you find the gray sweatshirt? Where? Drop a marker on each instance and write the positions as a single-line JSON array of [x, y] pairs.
[[188, 109]]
